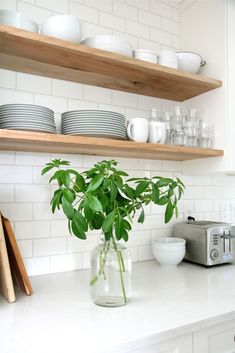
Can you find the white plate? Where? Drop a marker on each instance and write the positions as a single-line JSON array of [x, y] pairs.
[[4, 125], [26, 113], [92, 111], [30, 129], [110, 136], [26, 119], [25, 106]]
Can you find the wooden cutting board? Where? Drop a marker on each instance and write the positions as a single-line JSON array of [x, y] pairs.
[[6, 283], [15, 258]]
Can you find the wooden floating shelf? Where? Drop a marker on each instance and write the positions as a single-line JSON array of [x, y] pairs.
[[43, 142], [46, 56]]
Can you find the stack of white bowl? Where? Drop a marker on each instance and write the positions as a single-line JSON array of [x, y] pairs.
[[169, 251], [146, 55], [111, 43], [168, 58], [15, 19]]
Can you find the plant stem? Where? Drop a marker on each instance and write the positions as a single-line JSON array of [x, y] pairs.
[[121, 269]]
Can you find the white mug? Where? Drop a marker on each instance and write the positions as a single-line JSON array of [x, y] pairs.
[[138, 129], [157, 132]]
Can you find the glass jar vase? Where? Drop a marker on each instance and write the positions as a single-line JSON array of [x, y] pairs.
[[110, 274]]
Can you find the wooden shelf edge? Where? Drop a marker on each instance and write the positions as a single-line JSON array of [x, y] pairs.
[[103, 68], [50, 143]]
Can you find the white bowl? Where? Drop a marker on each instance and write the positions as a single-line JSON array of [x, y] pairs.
[[170, 64], [111, 43], [190, 62], [65, 27], [170, 241], [146, 55], [14, 18], [168, 55], [169, 258]]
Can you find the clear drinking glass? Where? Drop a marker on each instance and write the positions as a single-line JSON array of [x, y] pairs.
[[191, 132], [177, 134], [110, 274], [206, 136]]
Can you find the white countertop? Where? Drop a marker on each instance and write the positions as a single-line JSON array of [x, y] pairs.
[[60, 317]]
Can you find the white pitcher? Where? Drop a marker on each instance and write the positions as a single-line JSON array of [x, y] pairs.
[[157, 131]]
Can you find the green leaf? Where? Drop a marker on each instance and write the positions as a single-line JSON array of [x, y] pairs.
[[125, 235], [108, 222], [155, 193], [108, 235], [77, 228], [80, 182], [67, 208], [128, 191], [79, 219], [141, 217], [113, 192], [169, 212], [120, 172], [95, 183], [46, 169], [162, 201], [93, 203], [56, 200], [97, 221], [163, 182], [126, 224], [88, 212], [141, 187], [65, 178], [176, 211], [69, 195]]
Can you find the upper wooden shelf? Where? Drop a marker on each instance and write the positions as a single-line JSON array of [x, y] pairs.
[[40, 142], [46, 56]]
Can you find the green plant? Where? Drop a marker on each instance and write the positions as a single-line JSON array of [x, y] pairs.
[[100, 198]]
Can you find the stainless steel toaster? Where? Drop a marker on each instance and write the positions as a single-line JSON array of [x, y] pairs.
[[207, 243]]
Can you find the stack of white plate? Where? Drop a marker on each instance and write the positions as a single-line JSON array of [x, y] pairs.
[[99, 123], [28, 117], [114, 44]]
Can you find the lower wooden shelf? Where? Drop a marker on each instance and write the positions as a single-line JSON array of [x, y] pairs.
[[43, 142]]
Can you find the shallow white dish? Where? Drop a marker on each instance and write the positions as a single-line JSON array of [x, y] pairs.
[[22, 107], [169, 258], [16, 19], [66, 27], [111, 43], [190, 62]]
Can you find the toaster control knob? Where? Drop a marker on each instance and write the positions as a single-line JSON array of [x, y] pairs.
[[214, 254]]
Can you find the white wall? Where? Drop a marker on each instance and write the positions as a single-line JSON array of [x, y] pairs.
[[24, 194]]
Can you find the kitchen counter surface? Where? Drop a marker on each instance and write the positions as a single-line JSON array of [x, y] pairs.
[[59, 317]]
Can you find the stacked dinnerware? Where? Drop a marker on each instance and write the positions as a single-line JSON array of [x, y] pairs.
[[114, 44], [168, 58], [16, 19], [28, 117], [169, 251], [99, 123], [146, 55]]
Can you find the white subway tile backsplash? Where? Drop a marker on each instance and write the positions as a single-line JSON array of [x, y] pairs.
[[150, 164], [36, 13], [10, 96], [17, 211], [76, 245], [67, 262], [176, 42], [6, 193], [59, 228], [105, 5], [33, 83], [148, 44], [54, 5], [15, 174], [125, 11], [7, 158], [172, 166], [9, 5], [8, 78], [26, 248], [93, 93], [149, 19], [67, 89], [212, 192], [32, 193], [83, 12], [79, 104], [160, 8], [91, 29], [203, 205], [111, 21], [170, 26], [50, 246], [136, 28], [160, 36], [141, 4], [130, 39], [31, 158], [203, 180], [194, 192], [57, 104], [37, 265], [125, 99], [145, 253], [32, 229], [42, 211]]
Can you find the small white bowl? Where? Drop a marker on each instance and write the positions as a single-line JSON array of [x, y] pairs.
[[169, 258], [146, 55], [190, 62], [65, 27], [110, 43], [170, 241], [15, 19]]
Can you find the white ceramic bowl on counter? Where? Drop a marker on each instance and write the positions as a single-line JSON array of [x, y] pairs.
[[110, 43], [169, 251], [190, 62], [65, 27], [16, 19]]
